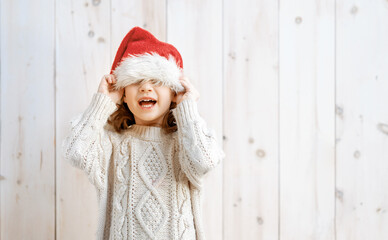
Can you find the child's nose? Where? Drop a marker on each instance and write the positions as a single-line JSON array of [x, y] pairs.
[[147, 86]]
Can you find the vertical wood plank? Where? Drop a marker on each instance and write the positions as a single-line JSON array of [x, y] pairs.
[[82, 58], [362, 120], [27, 195], [251, 120], [195, 29], [306, 119]]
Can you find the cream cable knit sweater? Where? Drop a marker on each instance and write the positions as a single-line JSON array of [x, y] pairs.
[[148, 182]]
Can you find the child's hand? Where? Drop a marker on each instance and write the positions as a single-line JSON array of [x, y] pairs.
[[190, 91], [106, 87]]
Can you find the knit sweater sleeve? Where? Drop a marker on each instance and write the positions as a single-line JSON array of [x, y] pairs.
[[88, 146], [199, 151]]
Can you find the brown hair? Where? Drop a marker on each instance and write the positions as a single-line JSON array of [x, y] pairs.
[[122, 118]]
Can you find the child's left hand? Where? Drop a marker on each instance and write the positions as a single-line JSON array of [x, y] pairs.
[[190, 91]]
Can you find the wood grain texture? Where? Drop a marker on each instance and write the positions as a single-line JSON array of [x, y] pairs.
[[306, 109], [27, 194], [251, 120], [361, 120]]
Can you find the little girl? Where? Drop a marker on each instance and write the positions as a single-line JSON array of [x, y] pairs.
[[144, 146]]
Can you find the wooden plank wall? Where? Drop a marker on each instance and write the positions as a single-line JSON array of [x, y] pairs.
[[362, 120], [294, 90], [28, 126], [307, 120], [251, 184]]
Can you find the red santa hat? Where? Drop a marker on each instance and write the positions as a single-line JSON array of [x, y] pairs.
[[141, 56]]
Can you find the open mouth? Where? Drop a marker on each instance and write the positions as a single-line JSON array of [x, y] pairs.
[[147, 103]]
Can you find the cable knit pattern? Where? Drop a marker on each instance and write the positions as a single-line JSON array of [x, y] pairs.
[[88, 147], [148, 181]]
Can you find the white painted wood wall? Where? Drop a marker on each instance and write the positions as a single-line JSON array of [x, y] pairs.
[[296, 91]]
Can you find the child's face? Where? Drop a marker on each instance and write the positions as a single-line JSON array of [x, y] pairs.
[[150, 116]]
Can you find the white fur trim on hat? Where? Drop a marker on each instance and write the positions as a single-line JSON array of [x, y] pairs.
[[135, 68]]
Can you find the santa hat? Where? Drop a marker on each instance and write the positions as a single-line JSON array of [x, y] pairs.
[[141, 56]]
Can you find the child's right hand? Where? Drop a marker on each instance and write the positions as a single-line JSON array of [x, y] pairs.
[[106, 87]]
